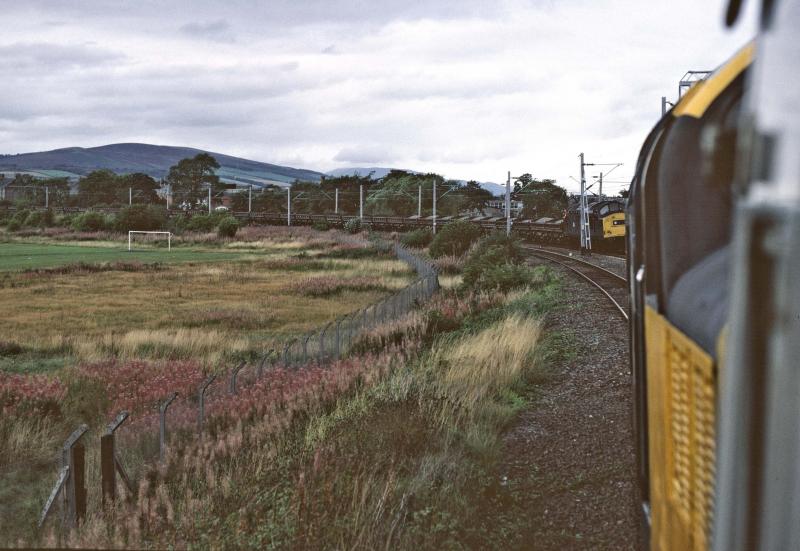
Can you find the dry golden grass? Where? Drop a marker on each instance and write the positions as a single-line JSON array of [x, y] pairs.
[[195, 311], [491, 360]]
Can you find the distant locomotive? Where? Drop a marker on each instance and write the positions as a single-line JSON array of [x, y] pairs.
[[606, 222]]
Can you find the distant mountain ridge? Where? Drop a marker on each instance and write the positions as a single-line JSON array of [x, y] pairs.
[[154, 160]]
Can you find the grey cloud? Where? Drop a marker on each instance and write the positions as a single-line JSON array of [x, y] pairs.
[[464, 88], [217, 31], [283, 12], [38, 56], [363, 155]]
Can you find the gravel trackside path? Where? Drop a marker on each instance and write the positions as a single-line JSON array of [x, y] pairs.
[[569, 457]]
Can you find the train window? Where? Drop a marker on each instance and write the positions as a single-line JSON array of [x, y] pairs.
[[604, 210]]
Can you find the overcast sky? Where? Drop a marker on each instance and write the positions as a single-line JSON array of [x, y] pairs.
[[468, 89]]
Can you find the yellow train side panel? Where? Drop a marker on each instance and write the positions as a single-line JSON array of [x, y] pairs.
[[681, 390], [614, 225]]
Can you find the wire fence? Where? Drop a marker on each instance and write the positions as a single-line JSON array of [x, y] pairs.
[[318, 348]]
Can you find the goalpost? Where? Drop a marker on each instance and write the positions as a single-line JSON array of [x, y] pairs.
[[168, 234]]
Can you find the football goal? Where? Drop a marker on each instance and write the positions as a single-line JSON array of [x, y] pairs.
[[131, 233]]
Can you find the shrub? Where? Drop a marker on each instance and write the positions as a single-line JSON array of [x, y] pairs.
[[321, 225], [90, 221], [449, 265], [21, 216], [228, 227], [40, 219], [13, 225], [205, 222], [454, 239], [417, 238], [10, 348], [66, 220], [504, 277], [141, 218], [353, 225], [492, 252]]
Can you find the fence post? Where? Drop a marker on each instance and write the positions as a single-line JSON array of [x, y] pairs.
[[73, 456], [338, 338], [260, 370], [234, 375], [351, 327], [305, 348], [162, 425], [108, 459], [201, 399], [286, 353], [322, 342]]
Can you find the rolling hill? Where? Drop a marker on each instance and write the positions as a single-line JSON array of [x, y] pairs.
[[154, 160]]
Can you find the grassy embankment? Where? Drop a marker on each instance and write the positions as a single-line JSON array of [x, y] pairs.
[[392, 448], [73, 334]]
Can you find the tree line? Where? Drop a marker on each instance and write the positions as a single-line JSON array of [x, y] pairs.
[[399, 193]]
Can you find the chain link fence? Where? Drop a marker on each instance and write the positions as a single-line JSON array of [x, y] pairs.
[[319, 347]]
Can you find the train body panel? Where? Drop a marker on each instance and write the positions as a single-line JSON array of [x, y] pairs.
[[679, 219]]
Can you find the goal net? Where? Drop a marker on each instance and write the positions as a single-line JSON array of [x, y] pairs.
[[149, 237]]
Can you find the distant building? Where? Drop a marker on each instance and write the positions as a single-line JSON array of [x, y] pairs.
[[497, 207]]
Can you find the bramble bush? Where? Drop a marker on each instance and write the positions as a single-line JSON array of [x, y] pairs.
[[140, 218], [417, 238], [204, 222], [228, 227], [496, 264], [90, 221], [20, 216], [41, 219], [353, 225], [321, 225], [454, 239]]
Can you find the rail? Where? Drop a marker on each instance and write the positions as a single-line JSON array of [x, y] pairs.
[[604, 273]]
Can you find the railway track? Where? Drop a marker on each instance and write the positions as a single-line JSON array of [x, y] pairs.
[[613, 286]]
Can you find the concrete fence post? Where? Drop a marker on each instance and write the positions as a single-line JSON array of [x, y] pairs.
[[201, 402], [338, 338], [322, 342], [162, 425], [260, 370], [305, 348], [234, 377], [109, 464]]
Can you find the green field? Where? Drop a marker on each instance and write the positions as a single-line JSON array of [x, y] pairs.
[[24, 256]]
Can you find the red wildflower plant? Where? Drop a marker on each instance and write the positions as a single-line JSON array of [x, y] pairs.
[[136, 386], [30, 395]]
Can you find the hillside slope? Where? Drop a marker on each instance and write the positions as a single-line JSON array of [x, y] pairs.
[[154, 160]]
